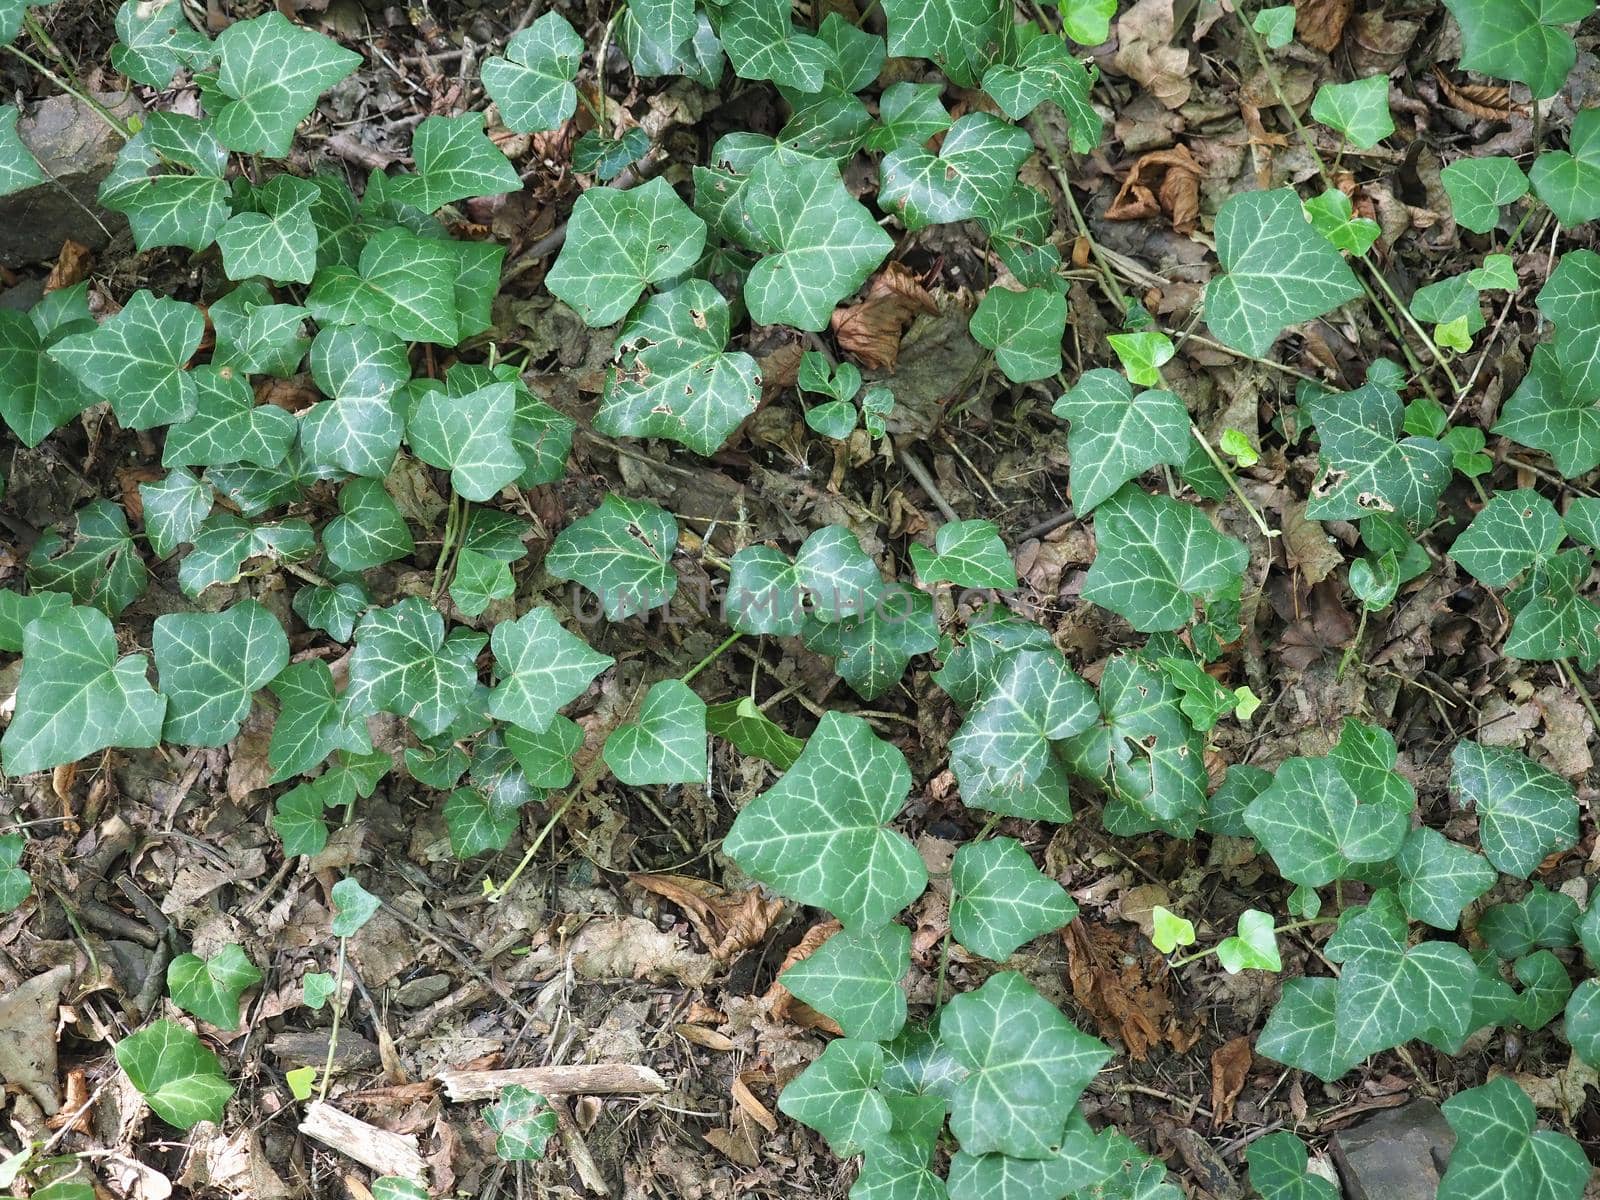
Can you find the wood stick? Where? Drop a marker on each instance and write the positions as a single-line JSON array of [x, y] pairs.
[[376, 1149], [597, 1079]]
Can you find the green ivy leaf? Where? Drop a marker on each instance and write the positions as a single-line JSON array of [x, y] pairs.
[[817, 836], [545, 758], [18, 168], [524, 1121], [470, 435], [1571, 299], [180, 1079], [674, 377], [1027, 1066], [312, 721], [37, 393], [174, 507], [753, 733], [1276, 26], [405, 664], [1364, 468], [1498, 1156], [17, 612], [224, 543], [1545, 989], [1116, 436], [619, 243], [75, 696], [1513, 533], [353, 907], [1042, 69], [334, 610], [298, 815], [622, 552], [1358, 110], [968, 554], [1540, 920], [100, 566], [837, 1096], [1142, 355], [477, 580], [211, 665], [909, 114], [358, 430], [838, 574], [1302, 1032], [855, 979], [1169, 931], [1278, 271], [1254, 947], [1525, 812], [1583, 1021], [971, 176], [403, 285], [275, 236], [1566, 180], [1333, 216], [210, 988], [1278, 1161], [228, 425], [169, 181], [478, 823], [155, 41], [1156, 557], [1439, 878], [871, 651], [455, 160], [667, 744], [541, 668], [269, 75], [606, 158], [818, 242], [369, 531], [895, 1168], [394, 1187], [1084, 1161], [762, 43], [136, 359], [1023, 329], [16, 885], [1480, 187], [1002, 900], [961, 37], [1519, 40], [532, 83]]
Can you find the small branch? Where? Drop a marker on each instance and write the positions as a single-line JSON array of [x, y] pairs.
[[376, 1149], [594, 1079]]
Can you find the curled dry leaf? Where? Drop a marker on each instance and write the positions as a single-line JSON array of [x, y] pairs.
[[1162, 181], [727, 924], [1486, 101], [1125, 992], [1145, 52], [72, 266], [1320, 23], [1230, 1065], [747, 1102], [870, 331]]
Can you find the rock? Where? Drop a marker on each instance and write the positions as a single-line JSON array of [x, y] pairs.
[[76, 149], [1398, 1154], [417, 993]]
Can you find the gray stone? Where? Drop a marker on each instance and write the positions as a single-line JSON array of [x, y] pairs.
[[416, 993], [1397, 1154], [76, 149]]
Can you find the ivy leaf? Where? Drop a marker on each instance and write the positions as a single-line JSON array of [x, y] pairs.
[[155, 40], [455, 161], [353, 907], [1116, 436], [1002, 755], [1169, 931], [969, 554], [477, 580], [1254, 947], [1519, 41], [837, 1096], [75, 696], [470, 435], [275, 237], [174, 507], [838, 574], [1023, 329], [1002, 900], [1499, 1156], [228, 425], [1480, 187], [169, 182], [819, 243], [312, 722], [895, 1168], [269, 75], [478, 823], [667, 744], [1027, 1066], [1583, 1021], [1571, 299], [1511, 534], [620, 242], [135, 360], [1358, 110], [817, 836], [992, 635], [1042, 70], [524, 1121], [1142, 355], [369, 530], [1279, 271], [1525, 812], [18, 168], [16, 885], [1540, 920], [541, 668], [333, 610], [210, 988], [1439, 878], [224, 543], [532, 84], [855, 979], [753, 733], [394, 1187], [100, 566], [1365, 469], [1302, 1032], [180, 1079], [298, 816], [358, 430], [404, 285], [972, 175], [38, 394], [909, 114], [17, 612], [674, 377], [1566, 179], [871, 651], [1276, 26], [622, 552], [606, 158], [1333, 216], [404, 664], [762, 43], [1278, 1167], [210, 666], [545, 758], [961, 37], [1545, 989], [1156, 557], [1085, 1160], [1322, 815]]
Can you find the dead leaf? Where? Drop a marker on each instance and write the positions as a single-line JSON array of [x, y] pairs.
[[619, 948], [28, 1051], [1111, 980], [1308, 547], [701, 1036], [747, 1102], [1326, 631], [728, 925], [1320, 23], [1162, 181], [1145, 52], [1230, 1066], [72, 266], [870, 331], [1486, 101]]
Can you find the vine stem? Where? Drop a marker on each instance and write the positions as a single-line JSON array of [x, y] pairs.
[[1175, 963], [498, 892], [1583, 693], [710, 658], [116, 124], [333, 1034], [452, 520]]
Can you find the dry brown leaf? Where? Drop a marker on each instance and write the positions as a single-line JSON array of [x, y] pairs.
[[1162, 181], [1109, 978], [1487, 101], [780, 368], [701, 1036], [870, 331], [747, 1102], [1146, 54], [728, 925], [72, 266], [617, 948], [1320, 23], [1230, 1065], [1308, 547]]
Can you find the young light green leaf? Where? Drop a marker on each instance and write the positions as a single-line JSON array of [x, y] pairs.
[[75, 696], [1278, 271], [752, 732], [1170, 930], [269, 75], [455, 161], [353, 907], [211, 665], [532, 84], [1364, 468], [667, 744], [1116, 436], [100, 566], [1520, 40], [180, 1079], [1566, 179], [405, 664], [1157, 556], [1023, 329], [312, 722], [470, 435], [837, 1096], [971, 176], [1142, 355], [1439, 878], [155, 40], [1027, 1066], [622, 552], [619, 243], [1480, 187], [1254, 947], [541, 667], [210, 988], [818, 836], [674, 377], [136, 359], [1358, 110], [174, 506], [1275, 25], [968, 554], [855, 979], [1002, 900], [1498, 1154], [275, 236], [1278, 1165], [1333, 216]]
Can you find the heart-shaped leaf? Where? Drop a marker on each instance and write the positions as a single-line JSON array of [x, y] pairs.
[[854, 978], [837, 1096], [622, 552], [210, 988], [1278, 1170], [541, 667], [404, 664], [532, 83], [136, 360], [469, 435], [1498, 1154], [1024, 330], [969, 554], [211, 665], [523, 1121], [667, 744], [1002, 900], [269, 75], [179, 1078], [1117, 436], [312, 721], [1520, 41], [1480, 187], [1525, 811]]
